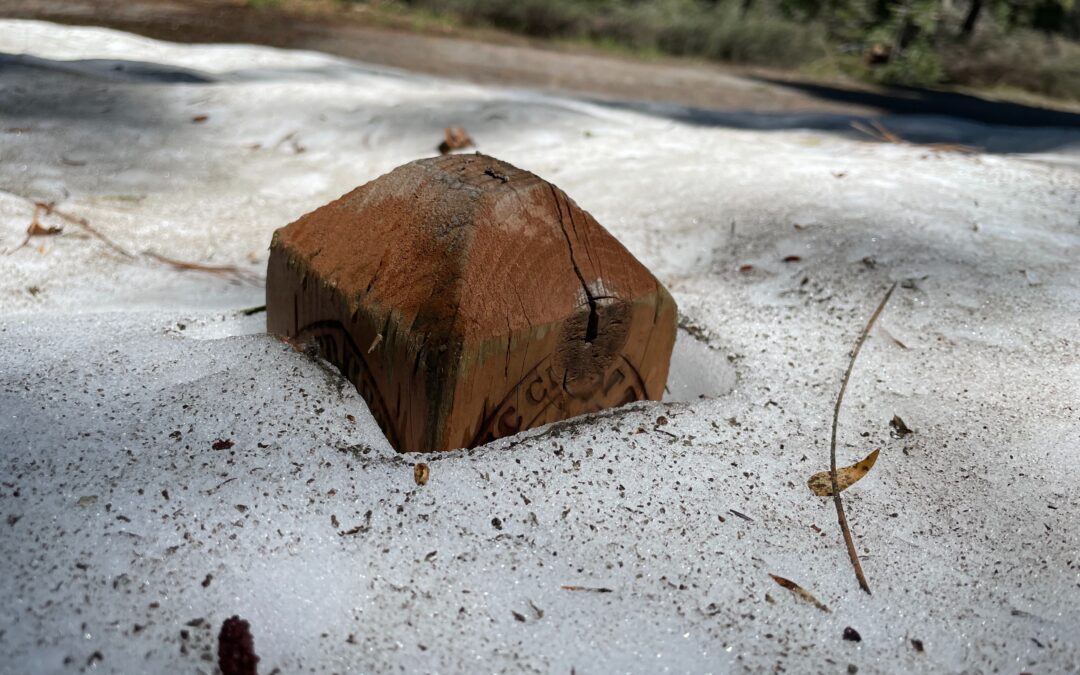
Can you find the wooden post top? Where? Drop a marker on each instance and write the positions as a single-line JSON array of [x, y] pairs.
[[458, 257]]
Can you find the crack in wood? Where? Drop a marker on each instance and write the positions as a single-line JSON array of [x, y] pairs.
[[592, 327]]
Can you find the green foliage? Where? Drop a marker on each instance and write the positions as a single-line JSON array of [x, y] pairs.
[[542, 18], [903, 42], [753, 38], [924, 15], [716, 30], [918, 65], [1024, 59]]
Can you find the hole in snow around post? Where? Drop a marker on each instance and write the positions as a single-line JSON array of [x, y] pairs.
[[697, 371], [228, 325]]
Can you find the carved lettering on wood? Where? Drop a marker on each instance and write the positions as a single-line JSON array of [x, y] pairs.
[[338, 347], [540, 398]]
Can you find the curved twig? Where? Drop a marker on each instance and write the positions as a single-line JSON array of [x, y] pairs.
[[36, 229], [840, 516]]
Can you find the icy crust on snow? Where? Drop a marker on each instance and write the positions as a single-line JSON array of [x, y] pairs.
[[128, 538]]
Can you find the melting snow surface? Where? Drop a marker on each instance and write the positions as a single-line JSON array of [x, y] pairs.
[[128, 539]]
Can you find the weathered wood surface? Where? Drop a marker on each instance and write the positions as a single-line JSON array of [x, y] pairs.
[[468, 300]]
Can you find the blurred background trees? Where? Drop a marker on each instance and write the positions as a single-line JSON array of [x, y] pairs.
[[1031, 45]]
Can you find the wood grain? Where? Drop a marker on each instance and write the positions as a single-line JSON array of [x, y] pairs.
[[468, 300]]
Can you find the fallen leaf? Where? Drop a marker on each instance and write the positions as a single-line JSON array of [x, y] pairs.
[[899, 427], [792, 258], [199, 119], [37, 230], [821, 483], [455, 138], [421, 473], [800, 591], [746, 268]]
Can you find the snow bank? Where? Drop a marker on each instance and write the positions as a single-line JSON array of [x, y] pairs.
[[129, 538]]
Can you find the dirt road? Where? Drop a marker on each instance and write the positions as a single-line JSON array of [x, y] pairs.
[[499, 58]]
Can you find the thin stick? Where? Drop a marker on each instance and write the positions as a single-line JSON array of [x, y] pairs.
[[50, 210], [226, 270], [879, 133], [840, 516], [586, 589], [182, 265]]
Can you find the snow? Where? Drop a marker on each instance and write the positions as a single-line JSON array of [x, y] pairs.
[[124, 527]]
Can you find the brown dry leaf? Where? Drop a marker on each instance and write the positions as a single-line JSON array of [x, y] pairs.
[[421, 473], [899, 427], [455, 138], [821, 484], [37, 230], [800, 591]]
